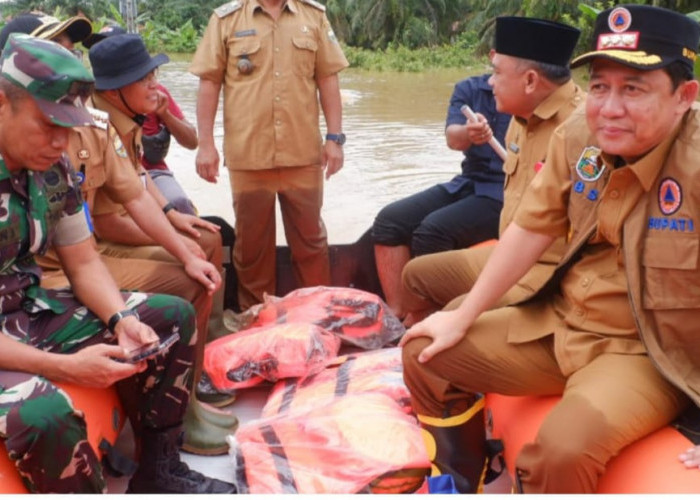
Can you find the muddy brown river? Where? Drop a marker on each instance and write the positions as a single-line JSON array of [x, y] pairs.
[[394, 123]]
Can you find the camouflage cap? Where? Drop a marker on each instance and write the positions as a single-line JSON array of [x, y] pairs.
[[55, 78]]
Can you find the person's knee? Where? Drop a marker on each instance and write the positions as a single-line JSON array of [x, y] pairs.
[[388, 229], [412, 368], [429, 238], [212, 245], [168, 313]]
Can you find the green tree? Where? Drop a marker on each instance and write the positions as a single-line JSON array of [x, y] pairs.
[[173, 14], [93, 9]]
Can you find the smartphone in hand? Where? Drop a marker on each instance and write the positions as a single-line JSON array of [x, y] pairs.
[[152, 349]]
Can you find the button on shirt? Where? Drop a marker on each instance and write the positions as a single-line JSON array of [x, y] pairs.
[[271, 114], [481, 164]]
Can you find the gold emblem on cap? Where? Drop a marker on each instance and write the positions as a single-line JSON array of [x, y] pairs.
[[637, 57]]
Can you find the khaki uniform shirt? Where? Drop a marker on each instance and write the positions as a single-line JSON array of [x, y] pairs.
[[103, 162], [271, 115], [526, 142], [581, 195], [125, 138]]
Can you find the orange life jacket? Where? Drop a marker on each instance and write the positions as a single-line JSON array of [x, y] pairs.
[[376, 371], [357, 443], [359, 318], [268, 353]]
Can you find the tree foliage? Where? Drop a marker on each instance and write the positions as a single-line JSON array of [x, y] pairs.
[[176, 25]]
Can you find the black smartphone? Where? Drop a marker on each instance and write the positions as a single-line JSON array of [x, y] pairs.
[[152, 349]]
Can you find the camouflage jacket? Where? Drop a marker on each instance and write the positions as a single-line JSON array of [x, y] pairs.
[[37, 209]]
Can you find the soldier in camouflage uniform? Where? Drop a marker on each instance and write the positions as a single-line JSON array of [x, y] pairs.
[[79, 336]]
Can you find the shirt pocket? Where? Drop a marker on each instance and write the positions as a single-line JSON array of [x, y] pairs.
[[671, 278], [510, 166], [304, 57], [240, 49]]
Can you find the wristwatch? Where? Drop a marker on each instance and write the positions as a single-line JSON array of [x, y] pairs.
[[337, 138], [118, 316]]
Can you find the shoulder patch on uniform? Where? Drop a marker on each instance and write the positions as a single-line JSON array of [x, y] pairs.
[[228, 8], [117, 143], [101, 118], [314, 3]]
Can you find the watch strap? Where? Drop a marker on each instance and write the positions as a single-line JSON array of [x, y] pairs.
[[337, 138], [118, 316]]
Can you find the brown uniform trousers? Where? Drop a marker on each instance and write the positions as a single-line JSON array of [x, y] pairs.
[[581, 342], [300, 191], [433, 281]]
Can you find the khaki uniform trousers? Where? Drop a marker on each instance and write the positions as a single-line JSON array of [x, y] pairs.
[[441, 280], [606, 405], [153, 269], [300, 192]]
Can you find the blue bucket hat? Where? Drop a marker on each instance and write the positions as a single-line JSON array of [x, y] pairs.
[[120, 60]]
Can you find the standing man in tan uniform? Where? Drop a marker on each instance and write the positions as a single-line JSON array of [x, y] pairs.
[[618, 337], [145, 243], [275, 60], [531, 81]]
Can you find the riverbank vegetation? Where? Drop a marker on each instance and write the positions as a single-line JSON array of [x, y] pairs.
[[398, 35]]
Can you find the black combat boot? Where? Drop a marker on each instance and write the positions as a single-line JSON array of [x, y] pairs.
[[161, 470]]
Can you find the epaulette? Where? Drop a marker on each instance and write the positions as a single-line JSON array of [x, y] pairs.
[[227, 8], [314, 3], [101, 118]]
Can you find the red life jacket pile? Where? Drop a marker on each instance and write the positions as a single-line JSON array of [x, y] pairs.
[[369, 372], [358, 443], [359, 318], [268, 353], [331, 424]]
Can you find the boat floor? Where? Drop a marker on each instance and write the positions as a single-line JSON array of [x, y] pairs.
[[247, 407]]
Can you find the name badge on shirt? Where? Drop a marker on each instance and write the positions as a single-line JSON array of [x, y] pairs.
[[241, 34], [514, 147]]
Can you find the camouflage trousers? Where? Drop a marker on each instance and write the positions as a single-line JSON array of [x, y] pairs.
[[45, 435]]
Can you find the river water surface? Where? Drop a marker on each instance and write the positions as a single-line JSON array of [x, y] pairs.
[[396, 146]]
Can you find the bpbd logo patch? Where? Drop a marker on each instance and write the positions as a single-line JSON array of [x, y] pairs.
[[670, 196]]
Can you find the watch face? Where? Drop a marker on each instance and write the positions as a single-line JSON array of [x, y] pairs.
[[341, 139]]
